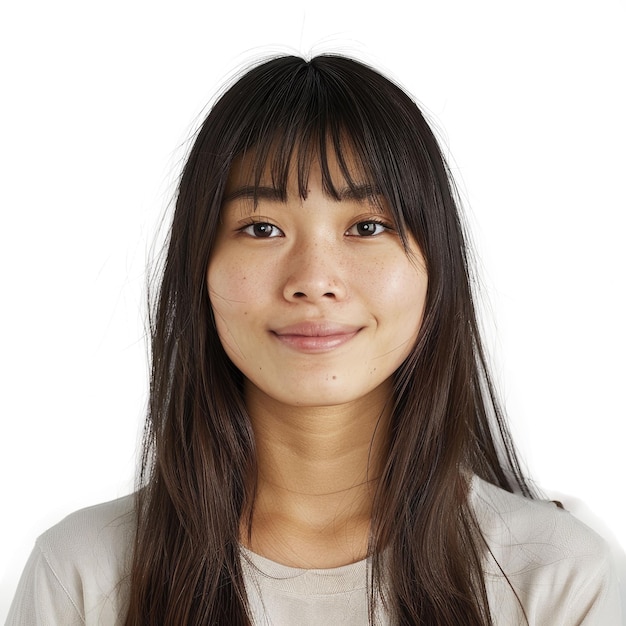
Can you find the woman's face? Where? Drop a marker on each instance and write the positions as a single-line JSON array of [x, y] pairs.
[[316, 301]]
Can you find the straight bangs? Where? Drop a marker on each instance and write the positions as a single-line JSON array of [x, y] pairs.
[[289, 114]]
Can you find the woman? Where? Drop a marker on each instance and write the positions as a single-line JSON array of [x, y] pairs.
[[323, 442]]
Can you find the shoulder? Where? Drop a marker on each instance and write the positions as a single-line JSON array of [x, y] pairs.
[[505, 516], [77, 571], [558, 569], [104, 527]]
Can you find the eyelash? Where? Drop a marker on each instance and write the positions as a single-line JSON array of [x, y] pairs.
[[385, 227], [248, 229]]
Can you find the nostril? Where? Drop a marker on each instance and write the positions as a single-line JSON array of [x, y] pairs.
[[299, 294]]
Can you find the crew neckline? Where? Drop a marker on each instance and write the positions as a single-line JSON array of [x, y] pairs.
[[317, 581]]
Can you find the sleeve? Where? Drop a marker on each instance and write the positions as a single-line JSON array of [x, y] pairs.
[[597, 602], [41, 598]]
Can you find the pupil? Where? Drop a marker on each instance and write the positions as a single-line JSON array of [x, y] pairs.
[[366, 228], [262, 230]]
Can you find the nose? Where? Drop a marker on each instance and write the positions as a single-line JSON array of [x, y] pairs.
[[313, 274]]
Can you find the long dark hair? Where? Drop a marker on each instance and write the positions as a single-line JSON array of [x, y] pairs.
[[198, 469]]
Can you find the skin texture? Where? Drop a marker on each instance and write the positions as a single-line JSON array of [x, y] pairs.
[[317, 303]]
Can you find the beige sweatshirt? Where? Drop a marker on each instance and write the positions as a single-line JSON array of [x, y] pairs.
[[560, 569]]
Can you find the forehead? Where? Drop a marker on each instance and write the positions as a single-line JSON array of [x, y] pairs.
[[288, 171]]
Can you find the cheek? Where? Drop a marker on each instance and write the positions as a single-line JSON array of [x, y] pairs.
[[232, 284], [235, 290], [404, 295], [225, 298], [399, 290], [224, 285]]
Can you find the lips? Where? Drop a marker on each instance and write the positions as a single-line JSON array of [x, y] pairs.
[[315, 336]]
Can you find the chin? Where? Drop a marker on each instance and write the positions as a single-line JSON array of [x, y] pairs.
[[326, 393]]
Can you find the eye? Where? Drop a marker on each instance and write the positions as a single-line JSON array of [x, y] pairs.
[[262, 230], [368, 228]]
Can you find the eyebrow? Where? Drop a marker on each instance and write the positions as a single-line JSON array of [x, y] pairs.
[[255, 192], [362, 192], [359, 193]]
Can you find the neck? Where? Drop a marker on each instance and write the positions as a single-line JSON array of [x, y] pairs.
[[318, 470]]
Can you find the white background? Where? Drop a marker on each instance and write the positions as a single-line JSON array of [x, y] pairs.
[[98, 101]]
